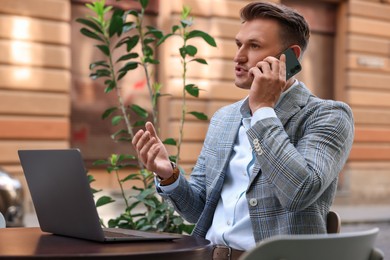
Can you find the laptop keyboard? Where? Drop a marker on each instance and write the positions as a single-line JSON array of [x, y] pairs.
[[117, 234]]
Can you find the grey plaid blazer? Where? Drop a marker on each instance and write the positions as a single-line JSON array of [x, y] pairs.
[[299, 157]]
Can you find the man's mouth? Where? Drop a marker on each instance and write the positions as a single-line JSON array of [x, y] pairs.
[[240, 70]]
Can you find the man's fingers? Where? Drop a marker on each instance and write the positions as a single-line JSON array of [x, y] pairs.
[[282, 66], [136, 138], [149, 127]]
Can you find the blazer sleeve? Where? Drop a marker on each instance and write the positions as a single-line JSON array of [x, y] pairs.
[[301, 159]]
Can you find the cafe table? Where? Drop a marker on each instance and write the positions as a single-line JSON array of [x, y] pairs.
[[32, 243]]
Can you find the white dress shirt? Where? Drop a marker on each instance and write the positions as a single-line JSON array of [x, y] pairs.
[[231, 223]]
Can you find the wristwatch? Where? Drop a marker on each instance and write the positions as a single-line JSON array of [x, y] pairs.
[[172, 178]]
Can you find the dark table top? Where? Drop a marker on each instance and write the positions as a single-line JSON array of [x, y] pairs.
[[33, 243]]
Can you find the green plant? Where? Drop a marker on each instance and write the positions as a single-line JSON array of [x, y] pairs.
[[117, 34]]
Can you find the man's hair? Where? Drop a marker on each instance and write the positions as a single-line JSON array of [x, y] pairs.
[[294, 28]]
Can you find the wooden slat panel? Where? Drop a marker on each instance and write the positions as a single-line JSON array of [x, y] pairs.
[[193, 130], [175, 108], [368, 44], [370, 152], [368, 80], [371, 116], [372, 10], [225, 49], [22, 127], [210, 89], [368, 62], [215, 8], [190, 152], [216, 69], [369, 98], [28, 78], [37, 30], [49, 9], [369, 27], [218, 27], [372, 134], [9, 149], [31, 103], [34, 54]]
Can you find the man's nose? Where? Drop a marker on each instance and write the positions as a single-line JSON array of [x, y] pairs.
[[240, 56]]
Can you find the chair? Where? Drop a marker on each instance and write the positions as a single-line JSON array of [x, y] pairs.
[[333, 223], [2, 221], [343, 246]]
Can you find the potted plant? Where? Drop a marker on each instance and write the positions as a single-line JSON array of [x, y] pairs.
[[116, 33]]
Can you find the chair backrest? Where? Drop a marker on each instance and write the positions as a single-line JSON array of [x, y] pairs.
[[2, 221], [343, 246], [333, 223]]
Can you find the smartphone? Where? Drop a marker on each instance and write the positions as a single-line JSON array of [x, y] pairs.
[[292, 64]]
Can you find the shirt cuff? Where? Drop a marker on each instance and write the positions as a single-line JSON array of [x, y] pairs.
[[263, 113], [167, 188]]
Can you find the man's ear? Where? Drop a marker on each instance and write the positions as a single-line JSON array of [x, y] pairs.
[[297, 51]]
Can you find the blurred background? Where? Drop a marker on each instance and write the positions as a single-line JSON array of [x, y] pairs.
[[47, 99]]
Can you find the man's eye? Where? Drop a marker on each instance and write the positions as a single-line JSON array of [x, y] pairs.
[[255, 46]]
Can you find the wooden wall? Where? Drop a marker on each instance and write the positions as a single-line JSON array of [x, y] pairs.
[[365, 73], [34, 77]]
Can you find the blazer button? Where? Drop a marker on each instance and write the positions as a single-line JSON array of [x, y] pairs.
[[255, 141], [253, 202]]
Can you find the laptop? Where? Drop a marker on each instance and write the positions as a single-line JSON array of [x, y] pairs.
[[63, 200]]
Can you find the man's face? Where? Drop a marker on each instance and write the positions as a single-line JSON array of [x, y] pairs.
[[256, 40]]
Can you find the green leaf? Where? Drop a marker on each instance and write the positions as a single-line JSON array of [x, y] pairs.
[[104, 49], [169, 141], [139, 111], [133, 176], [144, 3], [139, 123], [108, 112], [116, 120], [103, 201], [198, 115], [95, 190], [191, 50], [192, 90], [132, 42], [91, 34], [186, 23], [202, 61], [90, 24], [151, 61], [100, 162], [97, 64], [116, 23], [119, 132], [129, 66], [128, 26], [155, 32], [196, 33], [164, 38], [185, 12], [110, 87], [129, 56], [183, 52]]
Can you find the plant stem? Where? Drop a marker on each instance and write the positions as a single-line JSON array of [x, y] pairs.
[[146, 69], [122, 190], [184, 105]]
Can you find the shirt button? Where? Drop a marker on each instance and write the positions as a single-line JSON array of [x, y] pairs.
[[228, 223], [253, 202]]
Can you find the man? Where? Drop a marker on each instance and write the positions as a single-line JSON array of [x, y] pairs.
[[270, 163]]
